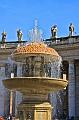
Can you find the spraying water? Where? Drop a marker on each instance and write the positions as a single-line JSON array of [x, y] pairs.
[[35, 35], [57, 98]]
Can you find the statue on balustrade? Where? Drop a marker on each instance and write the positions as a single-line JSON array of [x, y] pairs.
[[71, 29], [4, 34], [54, 31], [19, 35]]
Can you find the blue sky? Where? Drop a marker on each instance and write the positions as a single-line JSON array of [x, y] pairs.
[[16, 14]]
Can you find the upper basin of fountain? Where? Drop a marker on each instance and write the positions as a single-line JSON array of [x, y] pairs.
[[34, 49]]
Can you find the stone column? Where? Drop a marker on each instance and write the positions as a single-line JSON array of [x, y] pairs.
[[19, 69], [3, 107], [18, 98], [2, 67], [71, 89]]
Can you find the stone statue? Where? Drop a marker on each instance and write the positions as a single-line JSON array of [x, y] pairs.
[[54, 31], [4, 37], [19, 35], [71, 29]]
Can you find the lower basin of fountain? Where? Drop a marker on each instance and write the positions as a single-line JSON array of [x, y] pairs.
[[35, 84]]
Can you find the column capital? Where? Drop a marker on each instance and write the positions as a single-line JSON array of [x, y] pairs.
[[71, 61], [2, 64], [18, 64]]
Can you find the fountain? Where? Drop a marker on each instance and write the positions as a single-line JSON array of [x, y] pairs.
[[36, 82]]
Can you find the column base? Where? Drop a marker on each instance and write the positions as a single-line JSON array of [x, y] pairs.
[[34, 110]]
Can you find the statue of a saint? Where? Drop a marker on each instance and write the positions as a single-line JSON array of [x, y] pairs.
[[4, 37], [19, 35], [71, 29], [54, 31]]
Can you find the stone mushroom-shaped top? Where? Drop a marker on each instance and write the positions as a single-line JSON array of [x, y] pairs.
[[34, 49]]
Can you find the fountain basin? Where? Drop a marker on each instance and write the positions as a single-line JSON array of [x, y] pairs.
[[35, 84]]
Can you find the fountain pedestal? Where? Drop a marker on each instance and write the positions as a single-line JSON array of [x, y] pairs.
[[34, 107], [34, 111]]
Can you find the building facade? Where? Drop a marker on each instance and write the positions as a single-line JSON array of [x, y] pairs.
[[68, 49]]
